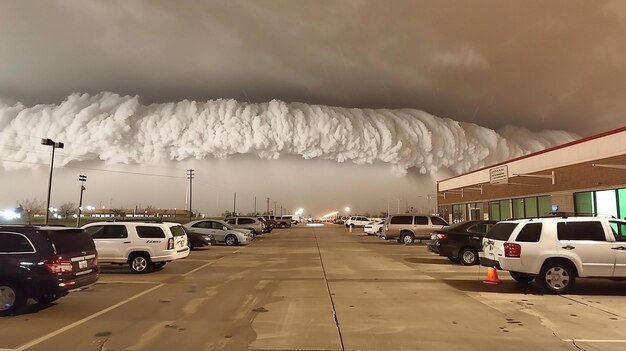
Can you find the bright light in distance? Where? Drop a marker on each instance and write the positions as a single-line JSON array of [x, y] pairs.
[[9, 215], [347, 209], [300, 211], [329, 215], [315, 224]]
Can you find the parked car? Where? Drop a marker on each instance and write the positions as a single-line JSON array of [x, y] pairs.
[[43, 263], [268, 225], [374, 227], [196, 240], [357, 221], [256, 226], [141, 245], [555, 251], [338, 221], [221, 231], [406, 228], [283, 222], [460, 242]]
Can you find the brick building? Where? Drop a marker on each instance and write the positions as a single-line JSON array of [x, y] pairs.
[[585, 176]]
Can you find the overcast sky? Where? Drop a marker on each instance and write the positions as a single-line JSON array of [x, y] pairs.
[[535, 64]]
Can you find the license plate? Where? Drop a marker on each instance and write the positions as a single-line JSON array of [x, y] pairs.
[[82, 264]]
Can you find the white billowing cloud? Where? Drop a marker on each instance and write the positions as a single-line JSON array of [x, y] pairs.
[[119, 129]]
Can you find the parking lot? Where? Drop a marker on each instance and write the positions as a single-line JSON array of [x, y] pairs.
[[320, 288]]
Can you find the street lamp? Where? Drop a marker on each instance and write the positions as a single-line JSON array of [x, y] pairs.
[[82, 179], [55, 145]]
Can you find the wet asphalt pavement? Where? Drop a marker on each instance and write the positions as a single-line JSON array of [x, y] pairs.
[[320, 288]]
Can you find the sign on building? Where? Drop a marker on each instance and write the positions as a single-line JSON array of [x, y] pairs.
[[499, 175]]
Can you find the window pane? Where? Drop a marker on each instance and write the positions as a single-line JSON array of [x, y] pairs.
[[530, 207], [421, 220], [14, 243], [505, 209], [592, 231], [606, 202], [150, 232], [501, 231], [621, 195], [619, 230], [178, 230], [583, 203], [544, 205], [531, 233], [494, 211], [518, 208], [401, 220], [437, 221]]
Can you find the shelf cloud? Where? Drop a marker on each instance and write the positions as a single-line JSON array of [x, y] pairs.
[[120, 129]]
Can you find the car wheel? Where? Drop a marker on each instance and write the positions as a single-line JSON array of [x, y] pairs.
[[556, 277], [190, 245], [158, 265], [522, 278], [453, 259], [11, 298], [139, 263], [46, 299], [231, 240], [468, 256], [407, 238]]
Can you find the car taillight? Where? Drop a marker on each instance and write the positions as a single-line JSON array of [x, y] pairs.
[[170, 243], [440, 235], [512, 250], [94, 262], [58, 265]]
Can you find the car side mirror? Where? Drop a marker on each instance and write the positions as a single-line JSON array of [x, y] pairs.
[[224, 228]]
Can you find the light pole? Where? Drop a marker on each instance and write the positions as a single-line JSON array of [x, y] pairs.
[[82, 179], [55, 145], [190, 175]]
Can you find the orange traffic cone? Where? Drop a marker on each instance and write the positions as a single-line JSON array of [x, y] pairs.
[[492, 276]]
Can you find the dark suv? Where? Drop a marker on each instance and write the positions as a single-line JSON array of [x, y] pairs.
[[43, 263]]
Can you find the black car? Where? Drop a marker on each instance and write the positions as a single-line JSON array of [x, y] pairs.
[[461, 241], [196, 240], [43, 263]]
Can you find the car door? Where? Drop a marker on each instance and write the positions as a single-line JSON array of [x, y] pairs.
[[619, 246], [475, 234], [110, 240], [586, 242], [207, 227]]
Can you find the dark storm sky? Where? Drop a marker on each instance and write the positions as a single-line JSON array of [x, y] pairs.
[[537, 64]]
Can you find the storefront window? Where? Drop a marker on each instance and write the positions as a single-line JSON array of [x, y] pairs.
[[530, 206], [458, 213], [505, 209], [494, 211], [544, 204], [606, 202], [518, 208], [621, 196], [583, 202]]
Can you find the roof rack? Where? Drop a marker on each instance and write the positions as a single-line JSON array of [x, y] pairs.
[[137, 219], [563, 215]]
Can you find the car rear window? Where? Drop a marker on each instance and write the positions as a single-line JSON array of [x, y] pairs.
[[177, 230], [401, 220], [501, 231], [438, 221], [591, 231], [71, 240], [147, 232], [531, 233], [246, 221]]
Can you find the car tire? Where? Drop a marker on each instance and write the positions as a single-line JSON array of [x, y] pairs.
[[407, 238], [11, 298], [190, 245], [231, 240], [556, 277], [46, 299], [522, 278], [468, 256], [139, 263]]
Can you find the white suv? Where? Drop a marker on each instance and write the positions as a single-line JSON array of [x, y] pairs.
[[141, 245], [554, 251], [357, 221]]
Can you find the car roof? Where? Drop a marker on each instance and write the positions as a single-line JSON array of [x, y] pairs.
[[561, 218]]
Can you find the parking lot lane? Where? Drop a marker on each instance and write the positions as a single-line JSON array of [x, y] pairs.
[[384, 302], [38, 321]]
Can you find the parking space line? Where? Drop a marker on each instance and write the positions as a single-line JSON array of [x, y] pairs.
[[125, 282], [84, 320], [208, 264], [597, 341]]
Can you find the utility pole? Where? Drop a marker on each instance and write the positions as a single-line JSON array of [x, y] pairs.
[[398, 206], [255, 205], [274, 213], [190, 175], [267, 208], [235, 203], [281, 210], [55, 145], [388, 214], [82, 179]]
